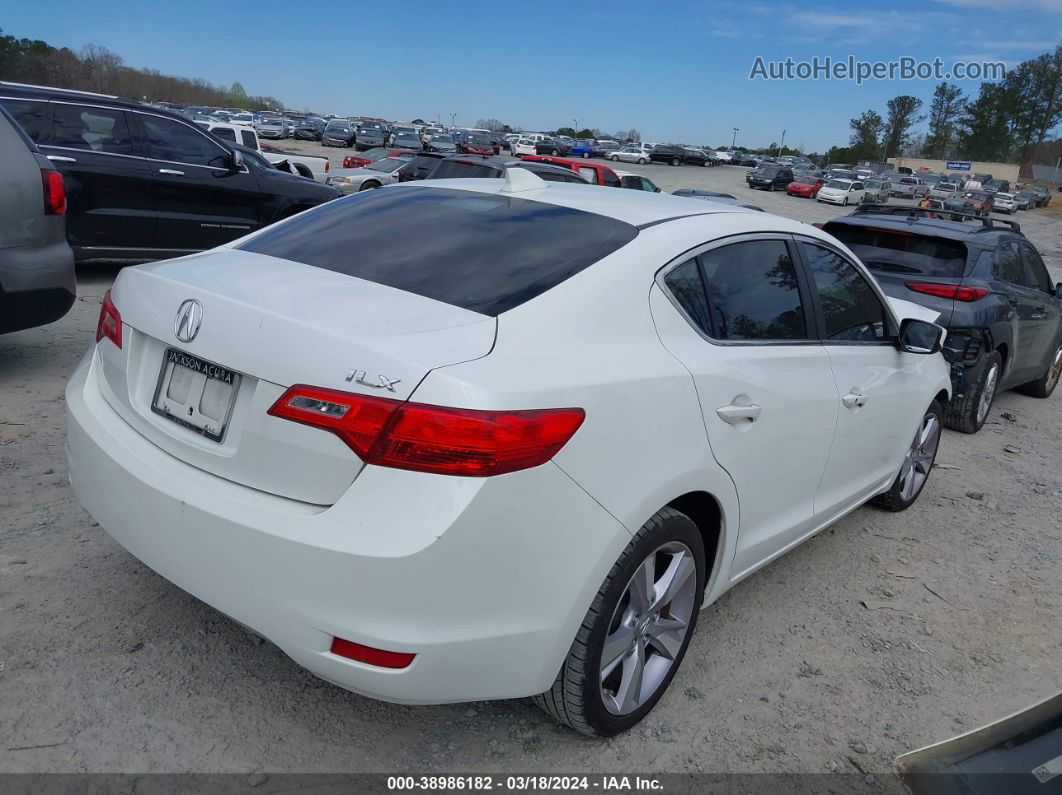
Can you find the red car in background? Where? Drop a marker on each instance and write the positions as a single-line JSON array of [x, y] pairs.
[[371, 156], [805, 186], [594, 173]]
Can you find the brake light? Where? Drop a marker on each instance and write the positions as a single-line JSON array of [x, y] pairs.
[[54, 192], [437, 439], [367, 654], [110, 322], [328, 166], [953, 291]]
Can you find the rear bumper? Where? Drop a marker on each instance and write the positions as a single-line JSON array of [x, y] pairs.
[[37, 285], [485, 580]]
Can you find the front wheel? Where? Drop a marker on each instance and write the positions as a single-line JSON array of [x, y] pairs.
[[614, 158], [635, 633], [845, 202], [641, 161], [1043, 386], [674, 161], [369, 185], [586, 155], [914, 472], [555, 152]]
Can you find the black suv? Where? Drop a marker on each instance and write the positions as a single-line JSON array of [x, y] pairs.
[[988, 283], [667, 153], [146, 184], [769, 177], [552, 146]]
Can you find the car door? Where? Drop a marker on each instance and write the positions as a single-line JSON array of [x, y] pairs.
[[764, 382], [1046, 318], [107, 180], [200, 202], [856, 193], [880, 390], [1027, 304]]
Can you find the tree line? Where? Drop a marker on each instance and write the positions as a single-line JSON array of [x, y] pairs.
[[102, 71], [1008, 121]]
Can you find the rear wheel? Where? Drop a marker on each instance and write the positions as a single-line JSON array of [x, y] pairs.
[[968, 413], [1043, 386], [586, 155], [916, 464], [635, 633], [641, 161], [674, 161], [555, 152]]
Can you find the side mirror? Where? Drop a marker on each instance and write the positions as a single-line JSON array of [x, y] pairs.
[[237, 161], [920, 336]]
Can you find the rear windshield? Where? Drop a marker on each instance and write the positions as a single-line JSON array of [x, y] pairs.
[[902, 252], [455, 169], [482, 252]]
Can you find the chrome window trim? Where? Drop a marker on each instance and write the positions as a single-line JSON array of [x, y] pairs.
[[785, 238], [90, 151]]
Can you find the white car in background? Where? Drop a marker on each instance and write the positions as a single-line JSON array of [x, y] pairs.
[[634, 181], [522, 146], [375, 175], [841, 191], [723, 157], [1004, 202], [504, 456], [630, 154]]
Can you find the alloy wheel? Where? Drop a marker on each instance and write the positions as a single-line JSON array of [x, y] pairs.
[[920, 457], [987, 394], [1055, 372], [648, 628]]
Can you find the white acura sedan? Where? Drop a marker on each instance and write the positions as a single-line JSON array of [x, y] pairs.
[[483, 439]]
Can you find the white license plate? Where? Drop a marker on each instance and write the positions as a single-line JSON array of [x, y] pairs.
[[196, 393]]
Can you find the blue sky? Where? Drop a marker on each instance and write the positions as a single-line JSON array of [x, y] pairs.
[[674, 69]]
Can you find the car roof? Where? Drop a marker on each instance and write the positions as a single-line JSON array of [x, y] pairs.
[[638, 208], [987, 232]]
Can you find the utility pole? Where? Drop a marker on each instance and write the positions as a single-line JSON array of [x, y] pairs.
[[576, 128], [781, 146], [733, 141], [453, 120]]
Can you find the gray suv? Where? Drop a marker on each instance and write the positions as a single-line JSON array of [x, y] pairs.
[[990, 286], [37, 283]]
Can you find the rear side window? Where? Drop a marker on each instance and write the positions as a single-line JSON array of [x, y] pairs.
[[249, 139], [226, 133], [899, 251], [686, 284], [753, 294], [91, 128], [1008, 265], [1036, 275], [611, 180], [28, 113], [482, 252]]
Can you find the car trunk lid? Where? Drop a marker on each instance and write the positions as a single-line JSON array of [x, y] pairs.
[[265, 324]]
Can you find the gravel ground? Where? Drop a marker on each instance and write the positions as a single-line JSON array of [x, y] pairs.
[[884, 633]]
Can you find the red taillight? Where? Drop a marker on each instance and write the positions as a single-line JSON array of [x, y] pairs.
[[367, 654], [328, 166], [110, 322], [953, 291], [54, 192], [437, 439]]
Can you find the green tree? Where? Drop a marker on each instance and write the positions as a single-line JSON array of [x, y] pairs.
[[944, 112], [986, 130], [865, 141], [902, 116]]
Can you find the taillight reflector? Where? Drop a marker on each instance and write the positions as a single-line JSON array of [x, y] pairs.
[[54, 192], [438, 439], [110, 322], [367, 654], [954, 291]]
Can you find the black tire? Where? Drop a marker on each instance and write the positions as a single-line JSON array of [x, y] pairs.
[[894, 499], [368, 185], [614, 159], [641, 161], [674, 161], [575, 698], [961, 413], [555, 152], [1043, 386], [586, 155]]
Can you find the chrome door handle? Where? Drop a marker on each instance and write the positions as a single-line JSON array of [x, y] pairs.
[[733, 414], [61, 159], [854, 400], [171, 171]]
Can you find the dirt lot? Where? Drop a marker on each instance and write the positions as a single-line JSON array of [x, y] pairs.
[[887, 632]]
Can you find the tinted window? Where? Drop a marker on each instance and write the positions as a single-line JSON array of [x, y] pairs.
[[224, 132], [453, 169], [249, 138], [752, 290], [611, 180], [482, 252], [170, 140], [29, 115], [1008, 265], [902, 251], [1035, 271], [686, 285], [94, 129], [850, 307]]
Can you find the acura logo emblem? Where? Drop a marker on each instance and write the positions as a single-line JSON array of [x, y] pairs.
[[189, 318]]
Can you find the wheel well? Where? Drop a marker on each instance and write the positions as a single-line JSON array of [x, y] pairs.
[[703, 509], [942, 398], [1001, 349]]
